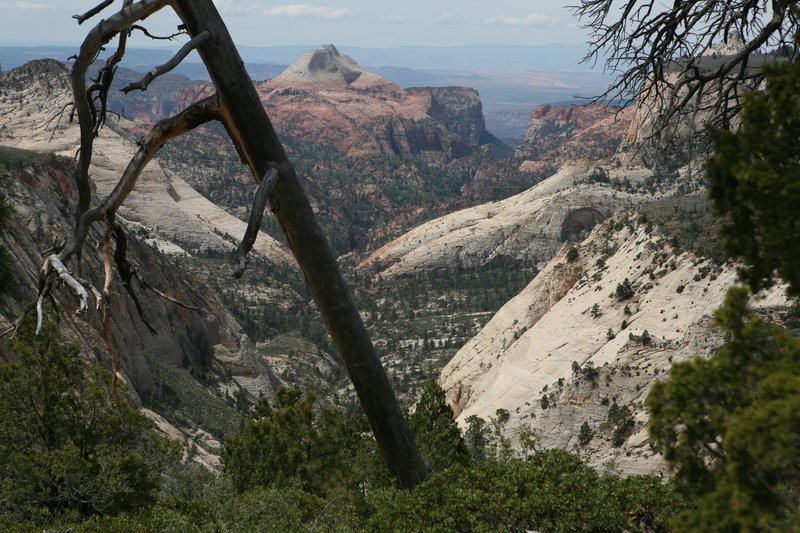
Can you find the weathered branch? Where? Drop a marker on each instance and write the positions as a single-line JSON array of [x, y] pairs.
[[54, 264], [254, 223], [20, 319], [126, 272], [196, 114], [105, 78], [156, 37], [169, 65], [92, 12], [656, 52], [191, 117], [165, 296], [108, 273], [94, 41]]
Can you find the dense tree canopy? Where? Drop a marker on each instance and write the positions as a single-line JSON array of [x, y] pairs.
[[292, 443], [68, 450], [754, 181], [552, 491]]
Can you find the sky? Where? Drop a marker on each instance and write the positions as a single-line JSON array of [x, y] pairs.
[[367, 23]]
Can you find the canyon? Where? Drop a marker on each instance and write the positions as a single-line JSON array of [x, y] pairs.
[[494, 271]]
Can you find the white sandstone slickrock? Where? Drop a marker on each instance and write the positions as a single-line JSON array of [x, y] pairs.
[[527, 349], [529, 226], [174, 213]]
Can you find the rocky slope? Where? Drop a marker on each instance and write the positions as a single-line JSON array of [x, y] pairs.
[[166, 209], [572, 348], [376, 195], [558, 133], [184, 365], [529, 226]]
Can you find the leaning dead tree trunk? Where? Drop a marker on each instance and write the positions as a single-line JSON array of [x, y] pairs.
[[237, 106], [248, 125]]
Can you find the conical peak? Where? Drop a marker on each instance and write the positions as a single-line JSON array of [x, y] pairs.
[[329, 48], [327, 64]]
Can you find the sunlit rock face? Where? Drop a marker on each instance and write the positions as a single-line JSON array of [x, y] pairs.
[[327, 98], [567, 348], [527, 227], [558, 133], [34, 102]]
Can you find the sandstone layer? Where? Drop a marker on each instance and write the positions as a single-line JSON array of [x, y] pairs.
[[327, 98], [529, 226], [558, 133], [567, 348], [166, 210]]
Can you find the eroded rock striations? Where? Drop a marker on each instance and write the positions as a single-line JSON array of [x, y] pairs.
[[180, 363], [34, 102], [327, 98], [558, 133], [572, 348], [528, 227]]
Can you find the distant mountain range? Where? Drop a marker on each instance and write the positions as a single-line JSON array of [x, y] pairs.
[[509, 78]]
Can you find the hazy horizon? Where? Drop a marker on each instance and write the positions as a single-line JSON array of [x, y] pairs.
[[345, 22]]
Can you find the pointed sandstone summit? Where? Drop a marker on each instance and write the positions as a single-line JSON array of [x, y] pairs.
[[327, 98], [328, 66]]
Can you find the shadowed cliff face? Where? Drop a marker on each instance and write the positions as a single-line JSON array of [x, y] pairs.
[[168, 354]]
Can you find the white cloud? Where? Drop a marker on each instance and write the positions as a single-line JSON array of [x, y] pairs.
[[393, 18], [444, 19], [305, 10], [30, 6], [533, 20], [233, 7]]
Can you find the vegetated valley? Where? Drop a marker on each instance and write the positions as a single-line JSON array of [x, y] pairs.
[[525, 302]]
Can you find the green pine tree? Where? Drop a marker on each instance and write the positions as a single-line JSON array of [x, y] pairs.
[[291, 443], [67, 450], [729, 426], [436, 432], [754, 181]]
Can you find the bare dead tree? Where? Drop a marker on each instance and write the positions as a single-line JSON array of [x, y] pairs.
[[237, 106], [663, 52]]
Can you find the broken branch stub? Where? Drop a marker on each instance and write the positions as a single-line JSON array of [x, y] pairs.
[[174, 61], [53, 263], [254, 223]]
